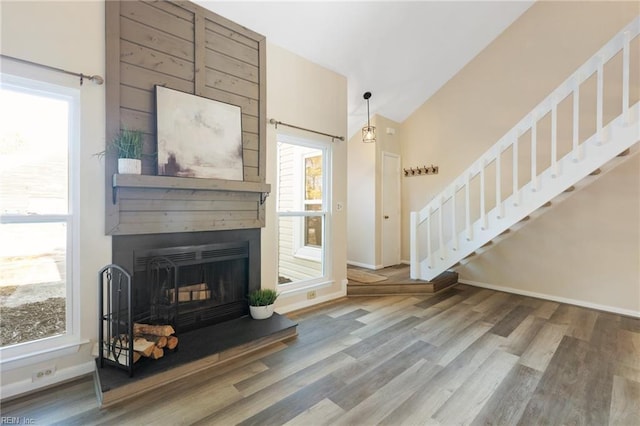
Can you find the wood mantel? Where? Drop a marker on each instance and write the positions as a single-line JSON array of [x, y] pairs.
[[169, 182], [161, 204]]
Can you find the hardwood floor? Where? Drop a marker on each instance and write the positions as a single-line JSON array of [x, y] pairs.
[[463, 356]]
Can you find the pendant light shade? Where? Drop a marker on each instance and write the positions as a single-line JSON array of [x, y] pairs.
[[368, 131]]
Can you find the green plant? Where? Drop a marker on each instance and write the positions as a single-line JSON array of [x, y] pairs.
[[127, 144], [262, 297]]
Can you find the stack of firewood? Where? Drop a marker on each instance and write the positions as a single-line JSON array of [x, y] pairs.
[[151, 340]]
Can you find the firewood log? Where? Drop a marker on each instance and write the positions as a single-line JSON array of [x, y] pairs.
[[157, 353], [156, 330], [172, 342], [143, 346], [160, 341]]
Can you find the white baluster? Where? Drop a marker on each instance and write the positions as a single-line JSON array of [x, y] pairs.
[[429, 258], [413, 241], [467, 210], [483, 216], [454, 224], [625, 77], [599, 100], [554, 140], [534, 155], [576, 124], [516, 190], [440, 228], [499, 203]]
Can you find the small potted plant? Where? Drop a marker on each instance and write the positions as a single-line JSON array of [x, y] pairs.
[[261, 303], [128, 146]]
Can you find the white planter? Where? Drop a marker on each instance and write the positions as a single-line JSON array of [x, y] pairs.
[[129, 166], [261, 312]]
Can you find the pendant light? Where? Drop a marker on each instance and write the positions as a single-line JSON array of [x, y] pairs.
[[369, 131]]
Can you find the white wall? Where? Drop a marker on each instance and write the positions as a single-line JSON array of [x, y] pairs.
[[68, 35], [304, 94], [578, 250]]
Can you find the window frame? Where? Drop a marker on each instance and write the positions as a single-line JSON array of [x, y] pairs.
[[19, 354], [300, 250]]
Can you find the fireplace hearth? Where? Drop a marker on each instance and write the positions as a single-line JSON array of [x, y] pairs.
[[197, 282]]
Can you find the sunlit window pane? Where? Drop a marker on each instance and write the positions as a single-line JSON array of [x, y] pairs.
[[33, 154], [292, 264], [32, 281]]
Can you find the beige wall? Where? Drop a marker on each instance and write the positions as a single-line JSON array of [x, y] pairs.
[[68, 35], [587, 248], [483, 101], [364, 186], [362, 197], [304, 94]]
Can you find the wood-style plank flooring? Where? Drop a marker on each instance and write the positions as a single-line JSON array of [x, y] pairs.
[[463, 356]]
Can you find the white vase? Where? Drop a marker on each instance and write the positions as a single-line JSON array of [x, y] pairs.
[[261, 312], [129, 166]]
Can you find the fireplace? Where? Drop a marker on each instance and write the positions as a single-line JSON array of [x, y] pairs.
[[190, 280]]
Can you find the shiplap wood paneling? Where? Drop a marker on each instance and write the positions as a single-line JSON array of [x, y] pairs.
[[185, 47]]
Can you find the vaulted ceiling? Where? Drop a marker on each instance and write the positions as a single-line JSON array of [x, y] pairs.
[[401, 51]]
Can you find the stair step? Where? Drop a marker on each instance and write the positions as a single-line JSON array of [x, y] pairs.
[[526, 218], [487, 244], [625, 152], [506, 231], [408, 286], [547, 204], [596, 172], [570, 189]]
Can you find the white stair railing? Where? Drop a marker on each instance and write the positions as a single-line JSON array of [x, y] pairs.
[[434, 249]]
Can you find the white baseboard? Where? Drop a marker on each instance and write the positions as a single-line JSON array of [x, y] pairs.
[[584, 304], [316, 301], [25, 386], [363, 265]]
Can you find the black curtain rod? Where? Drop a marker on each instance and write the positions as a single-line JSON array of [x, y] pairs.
[[96, 78], [277, 123]]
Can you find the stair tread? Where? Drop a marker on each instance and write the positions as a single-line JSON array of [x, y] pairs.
[[401, 285]]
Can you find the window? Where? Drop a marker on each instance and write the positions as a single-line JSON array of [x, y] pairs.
[[303, 217], [313, 200], [37, 226]]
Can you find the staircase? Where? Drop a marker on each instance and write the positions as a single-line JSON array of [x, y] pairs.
[[534, 164]]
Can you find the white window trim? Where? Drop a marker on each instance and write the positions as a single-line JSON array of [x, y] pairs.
[[326, 252], [31, 352]]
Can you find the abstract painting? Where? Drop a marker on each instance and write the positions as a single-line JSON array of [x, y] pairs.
[[198, 137]]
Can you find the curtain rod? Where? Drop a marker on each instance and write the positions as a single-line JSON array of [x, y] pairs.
[[96, 78], [333, 137]]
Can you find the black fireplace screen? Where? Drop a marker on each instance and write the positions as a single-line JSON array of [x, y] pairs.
[[191, 286]]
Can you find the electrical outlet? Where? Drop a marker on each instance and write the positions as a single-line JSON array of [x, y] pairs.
[[44, 373], [311, 294]]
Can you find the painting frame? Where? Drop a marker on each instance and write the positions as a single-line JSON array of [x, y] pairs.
[[198, 137]]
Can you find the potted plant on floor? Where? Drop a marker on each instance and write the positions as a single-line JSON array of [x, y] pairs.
[[128, 146], [261, 303]]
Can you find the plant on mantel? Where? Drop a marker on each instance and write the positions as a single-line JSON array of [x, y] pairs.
[[127, 145]]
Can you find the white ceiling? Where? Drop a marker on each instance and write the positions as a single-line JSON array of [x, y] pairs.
[[400, 51]]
